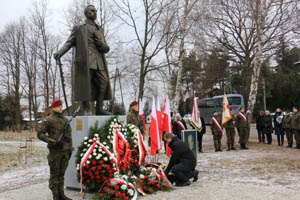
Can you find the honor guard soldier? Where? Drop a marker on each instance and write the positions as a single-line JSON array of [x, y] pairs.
[[59, 151], [243, 127], [134, 118], [230, 134], [216, 129]]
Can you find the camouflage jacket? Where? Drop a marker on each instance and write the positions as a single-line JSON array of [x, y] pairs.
[[240, 122], [286, 122], [229, 124], [134, 118], [50, 129], [294, 121], [213, 126]]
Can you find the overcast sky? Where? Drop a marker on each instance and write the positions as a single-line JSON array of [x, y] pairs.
[[11, 10]]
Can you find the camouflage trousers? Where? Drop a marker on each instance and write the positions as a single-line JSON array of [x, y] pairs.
[[289, 136], [297, 137], [58, 163], [244, 135], [230, 134], [217, 136]]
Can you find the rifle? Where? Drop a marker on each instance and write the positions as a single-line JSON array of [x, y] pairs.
[[62, 78], [61, 137]]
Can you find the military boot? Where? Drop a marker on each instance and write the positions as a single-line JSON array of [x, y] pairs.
[[62, 193], [242, 146], [55, 194], [99, 105], [232, 147], [228, 149], [245, 147]]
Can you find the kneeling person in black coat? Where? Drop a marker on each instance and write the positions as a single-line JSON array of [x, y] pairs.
[[182, 162]]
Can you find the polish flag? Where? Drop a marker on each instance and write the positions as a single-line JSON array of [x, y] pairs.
[[167, 126], [160, 119], [154, 131], [141, 113]]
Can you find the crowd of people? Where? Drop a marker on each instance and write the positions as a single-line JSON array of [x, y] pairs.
[[281, 124], [183, 161]]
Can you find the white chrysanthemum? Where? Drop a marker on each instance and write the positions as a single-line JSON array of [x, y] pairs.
[[105, 159], [124, 187], [90, 140], [85, 143], [115, 120], [84, 150], [90, 156], [125, 177], [88, 162], [88, 145], [110, 157], [130, 192], [142, 176], [96, 135], [81, 154], [104, 143], [94, 154], [134, 177]]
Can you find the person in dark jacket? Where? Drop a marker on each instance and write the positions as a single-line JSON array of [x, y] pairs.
[[182, 162], [260, 127], [179, 125], [278, 120], [200, 134], [268, 127]]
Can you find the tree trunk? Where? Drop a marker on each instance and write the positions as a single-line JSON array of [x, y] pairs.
[[257, 62], [178, 89]]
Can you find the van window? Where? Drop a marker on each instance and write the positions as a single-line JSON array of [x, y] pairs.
[[235, 100]]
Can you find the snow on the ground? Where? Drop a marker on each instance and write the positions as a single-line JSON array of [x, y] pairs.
[[262, 172]]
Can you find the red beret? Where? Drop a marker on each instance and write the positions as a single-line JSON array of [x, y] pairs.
[[56, 103], [133, 103]]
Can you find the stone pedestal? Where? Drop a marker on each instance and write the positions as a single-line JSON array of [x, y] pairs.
[[80, 128]]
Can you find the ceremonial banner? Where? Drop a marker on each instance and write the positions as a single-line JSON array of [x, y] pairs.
[[226, 114], [195, 121]]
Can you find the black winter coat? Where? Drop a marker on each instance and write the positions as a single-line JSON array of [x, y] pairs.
[[177, 128], [181, 154], [260, 122], [268, 127]]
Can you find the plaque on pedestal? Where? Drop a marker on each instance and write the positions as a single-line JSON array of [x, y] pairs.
[[80, 128]]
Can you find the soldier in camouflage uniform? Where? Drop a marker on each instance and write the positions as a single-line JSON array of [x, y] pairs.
[[243, 127], [59, 154], [297, 133], [294, 125], [230, 134], [286, 125], [217, 133], [133, 116]]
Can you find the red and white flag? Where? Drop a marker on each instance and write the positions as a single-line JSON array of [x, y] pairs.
[[141, 113], [154, 132], [160, 119], [167, 127]]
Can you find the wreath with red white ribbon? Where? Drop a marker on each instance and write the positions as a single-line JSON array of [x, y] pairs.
[[111, 162]]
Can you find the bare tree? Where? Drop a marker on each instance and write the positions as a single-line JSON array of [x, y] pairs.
[[250, 31], [10, 53], [149, 41]]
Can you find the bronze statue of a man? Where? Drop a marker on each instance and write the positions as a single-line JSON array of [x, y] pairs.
[[91, 76]]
